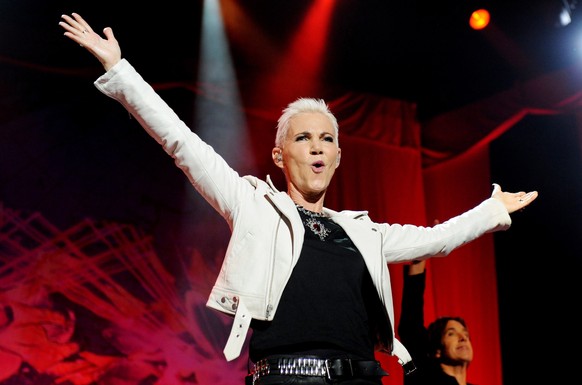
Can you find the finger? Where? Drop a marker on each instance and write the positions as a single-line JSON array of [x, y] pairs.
[[72, 32], [108, 32], [77, 29], [84, 25], [72, 24], [530, 196], [496, 189]]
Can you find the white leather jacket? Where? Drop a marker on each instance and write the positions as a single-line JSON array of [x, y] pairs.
[[267, 232]]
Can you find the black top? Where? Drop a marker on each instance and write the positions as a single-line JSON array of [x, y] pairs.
[[326, 307], [414, 336]]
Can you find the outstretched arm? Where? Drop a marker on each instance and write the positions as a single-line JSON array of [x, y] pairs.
[[106, 50]]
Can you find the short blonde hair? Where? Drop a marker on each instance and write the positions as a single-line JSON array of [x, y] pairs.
[[299, 106]]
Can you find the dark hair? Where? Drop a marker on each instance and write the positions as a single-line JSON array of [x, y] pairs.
[[436, 331]]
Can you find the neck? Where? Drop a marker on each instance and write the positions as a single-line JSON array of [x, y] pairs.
[[316, 208], [311, 203], [457, 371]]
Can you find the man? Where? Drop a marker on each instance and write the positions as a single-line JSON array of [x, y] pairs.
[[443, 351]]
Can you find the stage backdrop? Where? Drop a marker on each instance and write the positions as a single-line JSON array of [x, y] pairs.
[[107, 254]]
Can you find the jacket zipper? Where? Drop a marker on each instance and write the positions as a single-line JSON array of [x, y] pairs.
[[268, 296]]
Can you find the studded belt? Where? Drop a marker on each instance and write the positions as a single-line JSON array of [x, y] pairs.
[[339, 368]]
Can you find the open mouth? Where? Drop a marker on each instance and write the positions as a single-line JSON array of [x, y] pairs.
[[318, 166]]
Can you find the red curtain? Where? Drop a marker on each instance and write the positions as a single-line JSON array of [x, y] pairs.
[[464, 283], [406, 173], [382, 172]]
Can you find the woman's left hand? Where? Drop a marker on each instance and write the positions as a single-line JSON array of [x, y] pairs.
[[513, 201]]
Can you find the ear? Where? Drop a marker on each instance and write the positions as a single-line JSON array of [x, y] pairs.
[[337, 160], [437, 354], [277, 155]]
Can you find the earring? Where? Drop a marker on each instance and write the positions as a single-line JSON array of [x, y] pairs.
[[279, 158]]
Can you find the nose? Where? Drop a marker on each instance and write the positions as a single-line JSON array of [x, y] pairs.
[[316, 147]]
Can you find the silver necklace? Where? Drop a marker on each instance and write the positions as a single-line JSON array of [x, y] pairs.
[[313, 223]]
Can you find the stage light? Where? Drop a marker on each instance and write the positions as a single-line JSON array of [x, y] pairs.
[[479, 19], [565, 16]]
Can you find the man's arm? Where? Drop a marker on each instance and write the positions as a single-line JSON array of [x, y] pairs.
[[411, 330]]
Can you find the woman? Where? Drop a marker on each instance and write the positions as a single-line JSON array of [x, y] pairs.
[[312, 283]]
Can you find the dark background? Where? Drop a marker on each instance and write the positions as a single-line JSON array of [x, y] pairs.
[[413, 50], [539, 277]]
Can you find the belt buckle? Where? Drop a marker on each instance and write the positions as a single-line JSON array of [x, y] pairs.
[[327, 371], [351, 367], [328, 366]]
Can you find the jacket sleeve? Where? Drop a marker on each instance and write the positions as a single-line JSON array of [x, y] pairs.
[[403, 243], [208, 172]]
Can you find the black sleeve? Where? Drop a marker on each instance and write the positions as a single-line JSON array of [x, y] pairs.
[[411, 330]]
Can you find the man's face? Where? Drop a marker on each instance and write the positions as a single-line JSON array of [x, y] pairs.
[[456, 343]]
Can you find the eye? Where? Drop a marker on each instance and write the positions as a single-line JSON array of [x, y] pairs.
[[301, 137], [328, 139]]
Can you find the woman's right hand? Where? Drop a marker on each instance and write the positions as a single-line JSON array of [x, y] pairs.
[[106, 50]]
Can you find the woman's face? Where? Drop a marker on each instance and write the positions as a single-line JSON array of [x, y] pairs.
[[310, 154]]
